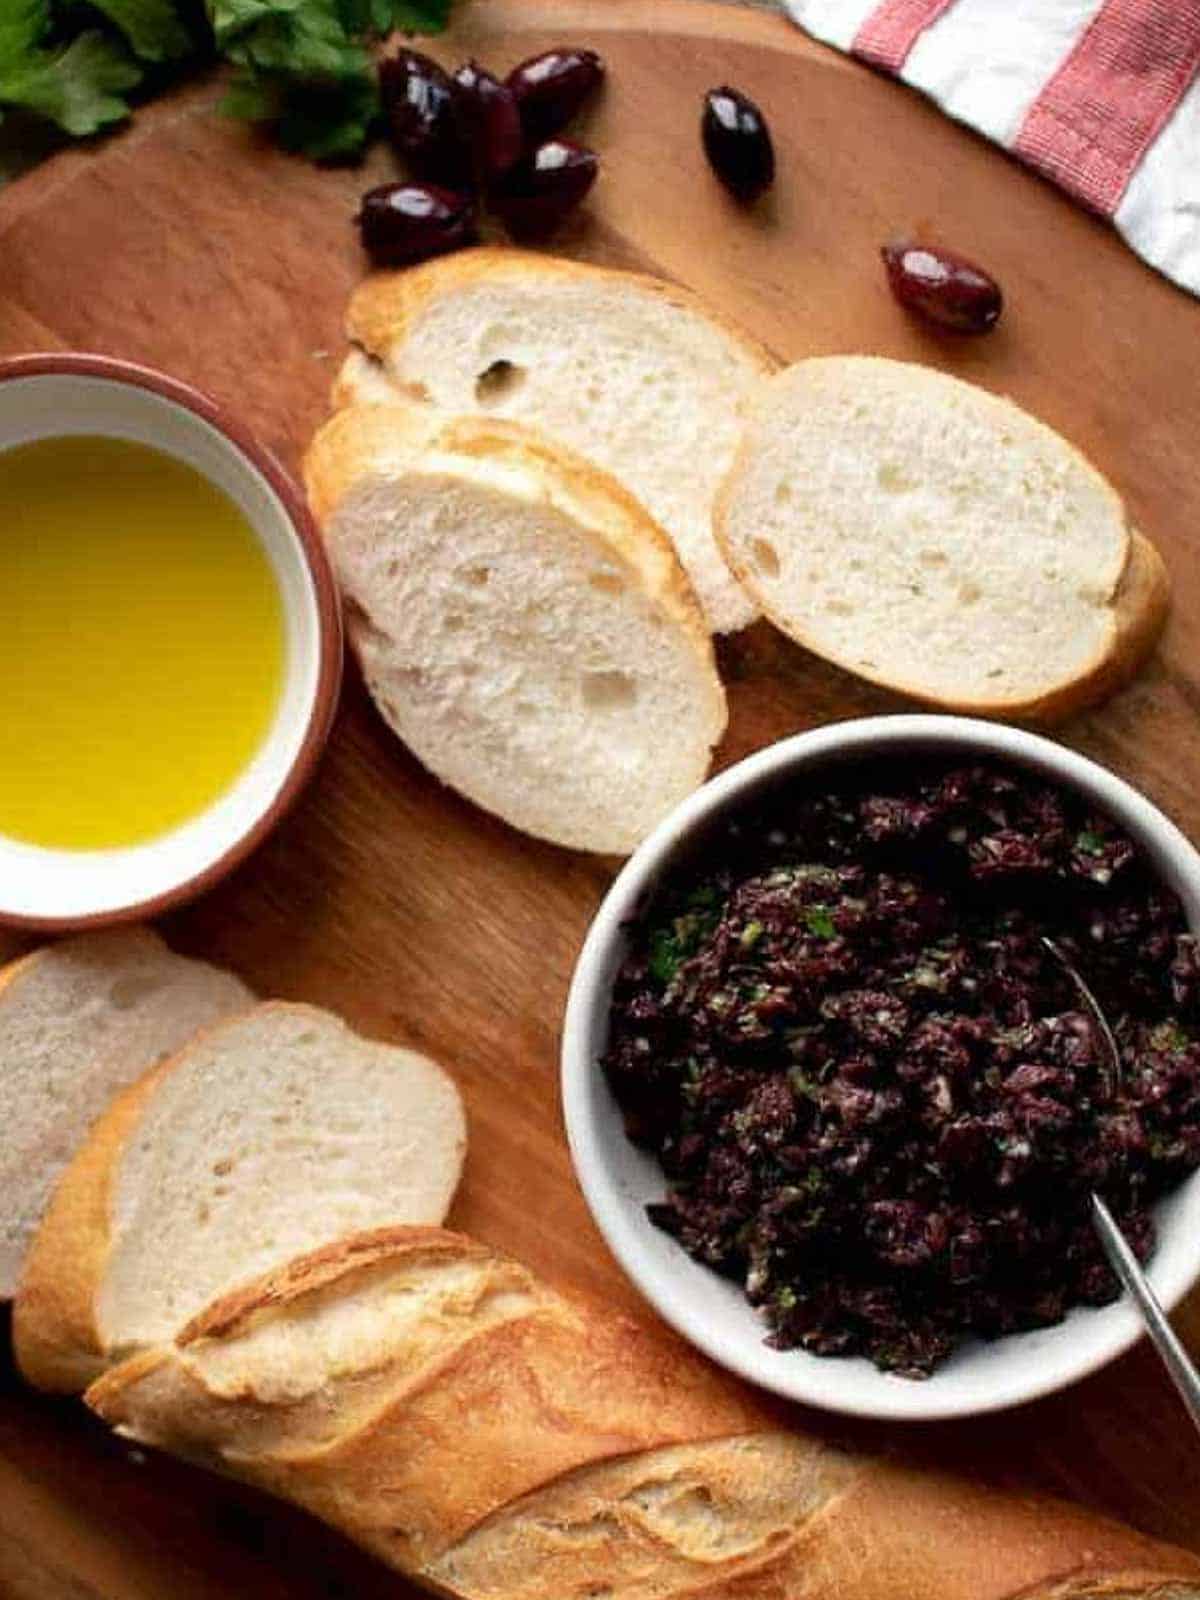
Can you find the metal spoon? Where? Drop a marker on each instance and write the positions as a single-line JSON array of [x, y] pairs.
[[1121, 1258]]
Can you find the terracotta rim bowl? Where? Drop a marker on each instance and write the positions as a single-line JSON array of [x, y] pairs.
[[51, 395]]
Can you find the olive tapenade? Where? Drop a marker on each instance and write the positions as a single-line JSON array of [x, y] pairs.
[[874, 1093]]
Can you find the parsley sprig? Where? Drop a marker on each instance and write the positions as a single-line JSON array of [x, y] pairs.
[[303, 66]]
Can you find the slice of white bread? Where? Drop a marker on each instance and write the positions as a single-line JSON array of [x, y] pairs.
[[631, 372], [522, 623], [78, 1021], [934, 538], [271, 1133]]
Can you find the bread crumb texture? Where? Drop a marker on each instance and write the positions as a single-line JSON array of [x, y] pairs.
[[630, 372], [79, 1020], [473, 1427], [522, 624], [271, 1134], [924, 533]]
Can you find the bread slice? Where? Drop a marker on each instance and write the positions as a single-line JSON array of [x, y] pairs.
[[522, 623], [409, 1385], [934, 538], [495, 1440], [631, 372], [78, 1021], [269, 1134]]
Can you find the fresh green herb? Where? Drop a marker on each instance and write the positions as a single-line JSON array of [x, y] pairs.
[[889, 1356], [805, 1188], [304, 66], [665, 954], [153, 28], [1168, 1036], [803, 1084], [79, 85], [672, 943], [751, 934], [693, 1075], [819, 922], [1163, 1149], [705, 897], [1089, 843]]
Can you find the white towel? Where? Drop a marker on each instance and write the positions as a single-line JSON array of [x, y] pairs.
[[1100, 96]]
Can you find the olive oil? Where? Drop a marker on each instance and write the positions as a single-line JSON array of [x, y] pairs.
[[141, 643]]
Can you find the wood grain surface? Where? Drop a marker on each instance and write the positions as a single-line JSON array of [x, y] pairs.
[[187, 243]]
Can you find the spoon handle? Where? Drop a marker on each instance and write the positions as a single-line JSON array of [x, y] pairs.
[[1126, 1266]]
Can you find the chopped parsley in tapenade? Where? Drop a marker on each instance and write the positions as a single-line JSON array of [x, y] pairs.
[[874, 1093]]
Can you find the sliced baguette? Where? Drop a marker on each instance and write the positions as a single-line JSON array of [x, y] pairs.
[[269, 1134], [934, 538], [631, 372], [78, 1021], [522, 623], [496, 1441]]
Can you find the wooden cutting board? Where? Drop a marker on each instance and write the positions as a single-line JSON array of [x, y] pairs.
[[187, 243]]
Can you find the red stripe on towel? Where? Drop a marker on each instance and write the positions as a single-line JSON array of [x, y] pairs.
[[1103, 108], [889, 33]]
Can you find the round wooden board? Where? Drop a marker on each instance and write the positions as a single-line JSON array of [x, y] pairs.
[[187, 243]]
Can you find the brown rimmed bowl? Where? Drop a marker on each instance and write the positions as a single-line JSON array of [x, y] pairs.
[[45, 396]]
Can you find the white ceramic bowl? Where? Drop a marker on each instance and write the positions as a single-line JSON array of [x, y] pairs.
[[53, 395], [618, 1179]]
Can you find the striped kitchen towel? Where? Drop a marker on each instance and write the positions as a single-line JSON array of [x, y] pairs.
[[1100, 96]]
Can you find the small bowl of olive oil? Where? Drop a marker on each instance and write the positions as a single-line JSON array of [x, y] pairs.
[[170, 646]]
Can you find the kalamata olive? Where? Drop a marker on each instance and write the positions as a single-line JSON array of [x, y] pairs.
[[405, 222], [538, 193], [737, 142], [943, 287], [421, 108], [551, 87], [490, 119]]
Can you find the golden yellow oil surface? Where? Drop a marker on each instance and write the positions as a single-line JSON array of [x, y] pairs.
[[141, 643]]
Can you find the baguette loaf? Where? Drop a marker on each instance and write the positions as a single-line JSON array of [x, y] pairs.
[[78, 1021], [269, 1134], [934, 538], [497, 1441], [522, 623], [635, 374]]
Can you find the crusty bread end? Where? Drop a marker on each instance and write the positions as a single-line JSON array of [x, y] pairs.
[[56, 1340], [496, 1441]]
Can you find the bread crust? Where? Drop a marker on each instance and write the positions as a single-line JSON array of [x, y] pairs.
[[238, 1311], [484, 1421], [56, 1335], [101, 951], [388, 308], [368, 444], [568, 1451], [57, 1339], [607, 508], [1138, 603], [365, 441], [386, 303], [1141, 602], [362, 439]]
